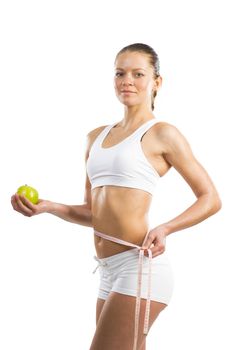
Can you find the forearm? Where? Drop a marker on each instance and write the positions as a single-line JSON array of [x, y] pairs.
[[78, 214], [201, 209]]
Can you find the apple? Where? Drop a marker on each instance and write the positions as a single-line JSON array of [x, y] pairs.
[[29, 192]]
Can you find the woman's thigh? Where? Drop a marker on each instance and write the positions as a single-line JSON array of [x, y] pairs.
[[116, 321], [99, 306]]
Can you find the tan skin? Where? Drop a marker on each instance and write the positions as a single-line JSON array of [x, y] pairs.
[[116, 210]]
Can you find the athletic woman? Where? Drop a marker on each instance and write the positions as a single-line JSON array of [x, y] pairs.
[[124, 162]]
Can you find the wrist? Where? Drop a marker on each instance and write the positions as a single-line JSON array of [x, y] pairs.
[[50, 207], [165, 229]]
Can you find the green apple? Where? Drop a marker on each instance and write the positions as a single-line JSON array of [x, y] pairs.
[[29, 192]]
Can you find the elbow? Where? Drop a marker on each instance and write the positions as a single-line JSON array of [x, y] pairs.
[[216, 204], [212, 203], [216, 207]]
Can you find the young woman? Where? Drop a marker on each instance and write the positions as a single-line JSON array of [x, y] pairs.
[[124, 161]]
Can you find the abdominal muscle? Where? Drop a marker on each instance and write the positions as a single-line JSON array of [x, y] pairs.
[[120, 212]]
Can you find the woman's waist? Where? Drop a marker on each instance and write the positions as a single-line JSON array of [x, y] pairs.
[[129, 260], [132, 231], [110, 240]]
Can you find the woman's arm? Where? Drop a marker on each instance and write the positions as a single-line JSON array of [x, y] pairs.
[[205, 206], [177, 152], [78, 214]]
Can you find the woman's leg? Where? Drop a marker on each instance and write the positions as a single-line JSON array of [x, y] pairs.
[[115, 326], [99, 306]]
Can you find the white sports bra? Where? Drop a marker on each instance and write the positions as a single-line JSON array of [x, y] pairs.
[[123, 164]]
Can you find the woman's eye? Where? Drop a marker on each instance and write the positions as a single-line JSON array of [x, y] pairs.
[[119, 74]]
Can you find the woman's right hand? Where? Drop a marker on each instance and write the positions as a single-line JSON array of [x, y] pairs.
[[21, 204]]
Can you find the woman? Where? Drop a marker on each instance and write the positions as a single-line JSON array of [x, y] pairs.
[[124, 161]]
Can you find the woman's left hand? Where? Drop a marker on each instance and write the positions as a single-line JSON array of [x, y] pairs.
[[156, 241]]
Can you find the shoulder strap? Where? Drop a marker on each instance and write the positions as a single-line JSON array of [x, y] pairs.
[[102, 135], [145, 127]]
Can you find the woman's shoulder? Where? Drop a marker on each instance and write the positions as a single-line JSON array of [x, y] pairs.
[[168, 133], [165, 128], [170, 136], [94, 132], [91, 137]]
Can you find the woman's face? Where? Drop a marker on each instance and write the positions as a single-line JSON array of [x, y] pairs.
[[134, 80]]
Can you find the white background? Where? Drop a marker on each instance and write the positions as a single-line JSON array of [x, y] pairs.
[[56, 84]]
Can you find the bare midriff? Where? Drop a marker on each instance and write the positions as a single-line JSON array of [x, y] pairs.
[[121, 212]]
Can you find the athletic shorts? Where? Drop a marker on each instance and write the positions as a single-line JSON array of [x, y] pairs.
[[119, 273]]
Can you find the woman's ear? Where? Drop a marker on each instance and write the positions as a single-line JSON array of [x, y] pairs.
[[158, 82]]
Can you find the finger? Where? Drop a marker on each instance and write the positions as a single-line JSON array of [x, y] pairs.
[[22, 208], [18, 205], [13, 202], [146, 253], [27, 202], [147, 244], [157, 250], [16, 208]]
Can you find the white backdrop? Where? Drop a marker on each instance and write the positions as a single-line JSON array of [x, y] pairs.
[[57, 60]]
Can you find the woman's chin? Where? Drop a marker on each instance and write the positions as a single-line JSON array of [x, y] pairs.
[[128, 103]]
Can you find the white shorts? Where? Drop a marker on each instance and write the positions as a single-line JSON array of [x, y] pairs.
[[119, 273]]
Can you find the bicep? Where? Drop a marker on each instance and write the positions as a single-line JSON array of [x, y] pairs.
[[179, 154]]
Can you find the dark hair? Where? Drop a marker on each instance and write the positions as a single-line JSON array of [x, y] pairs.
[[153, 60]]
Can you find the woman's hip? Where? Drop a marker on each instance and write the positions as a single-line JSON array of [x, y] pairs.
[[120, 273]]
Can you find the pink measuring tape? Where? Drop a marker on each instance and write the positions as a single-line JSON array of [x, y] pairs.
[[138, 297]]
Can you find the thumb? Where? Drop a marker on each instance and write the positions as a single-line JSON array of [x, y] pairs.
[[147, 243]]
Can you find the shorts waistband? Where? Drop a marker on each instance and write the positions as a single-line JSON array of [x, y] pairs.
[[119, 256]]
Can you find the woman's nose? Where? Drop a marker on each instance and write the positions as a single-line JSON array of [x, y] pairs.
[[127, 81]]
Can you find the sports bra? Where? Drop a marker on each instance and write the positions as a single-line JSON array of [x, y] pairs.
[[123, 164]]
